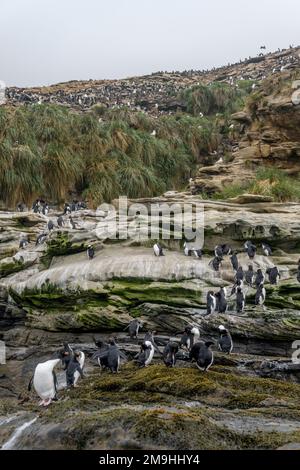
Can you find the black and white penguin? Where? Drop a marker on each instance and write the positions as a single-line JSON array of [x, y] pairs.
[[67, 209], [225, 343], [44, 381], [202, 354], [260, 296], [250, 249], [239, 275], [146, 354], [80, 356], [133, 328], [101, 359], [221, 300], [218, 251], [237, 284], [50, 225], [249, 275], [112, 356], [211, 302], [240, 300], [260, 278], [45, 209], [90, 252], [226, 249], [197, 253], [273, 274], [23, 243], [149, 336], [158, 251], [234, 261], [169, 353], [60, 221], [187, 251], [216, 263], [72, 223], [190, 336], [267, 250], [41, 239]]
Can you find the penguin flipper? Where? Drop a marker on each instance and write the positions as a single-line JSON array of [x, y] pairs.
[[123, 356], [99, 354], [30, 384]]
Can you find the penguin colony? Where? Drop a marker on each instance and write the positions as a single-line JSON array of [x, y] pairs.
[[188, 348]]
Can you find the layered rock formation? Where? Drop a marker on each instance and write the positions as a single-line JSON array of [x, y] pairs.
[[265, 134]]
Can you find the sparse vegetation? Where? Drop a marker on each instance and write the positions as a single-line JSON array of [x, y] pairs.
[[268, 182]]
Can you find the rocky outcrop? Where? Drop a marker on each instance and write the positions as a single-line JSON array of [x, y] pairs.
[[266, 134], [63, 296]]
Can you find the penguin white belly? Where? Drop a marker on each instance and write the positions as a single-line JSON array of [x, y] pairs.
[[81, 362], [150, 357], [156, 250], [43, 380]]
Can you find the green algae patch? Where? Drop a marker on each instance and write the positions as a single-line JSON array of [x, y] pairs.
[[61, 246], [170, 293]]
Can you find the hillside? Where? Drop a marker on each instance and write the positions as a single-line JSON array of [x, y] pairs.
[[208, 132]]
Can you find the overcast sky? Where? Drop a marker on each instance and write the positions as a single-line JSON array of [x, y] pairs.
[[44, 42]]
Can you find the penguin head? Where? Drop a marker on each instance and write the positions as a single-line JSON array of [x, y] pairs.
[[222, 328]]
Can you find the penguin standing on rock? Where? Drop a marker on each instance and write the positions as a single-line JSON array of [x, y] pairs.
[[218, 251], [189, 337], [260, 296], [239, 275], [221, 300], [50, 225], [101, 359], [74, 369], [260, 278], [234, 261], [250, 249], [90, 252], [169, 354], [112, 356], [67, 209], [211, 302], [23, 243], [44, 380], [274, 275], [41, 239], [133, 328], [187, 250], [240, 300], [45, 209], [158, 251], [267, 250], [146, 354], [216, 263], [202, 354], [197, 253], [225, 343], [60, 221], [249, 275]]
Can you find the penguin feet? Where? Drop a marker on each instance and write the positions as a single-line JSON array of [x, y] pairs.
[[41, 403], [47, 402]]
